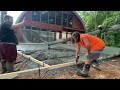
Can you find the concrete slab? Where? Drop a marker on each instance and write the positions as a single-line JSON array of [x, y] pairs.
[[62, 53]]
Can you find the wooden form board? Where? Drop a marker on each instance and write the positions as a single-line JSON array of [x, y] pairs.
[[31, 71], [42, 69], [33, 59]]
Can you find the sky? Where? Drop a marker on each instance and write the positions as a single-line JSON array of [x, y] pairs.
[[15, 14]]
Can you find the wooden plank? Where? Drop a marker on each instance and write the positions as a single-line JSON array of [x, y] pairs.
[[22, 73], [8, 75], [31, 71], [33, 59], [18, 73], [42, 69], [62, 65]]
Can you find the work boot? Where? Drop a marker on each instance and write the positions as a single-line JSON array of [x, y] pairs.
[[10, 66], [3, 64], [84, 72], [95, 64]]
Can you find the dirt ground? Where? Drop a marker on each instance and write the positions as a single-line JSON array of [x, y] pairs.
[[109, 70]]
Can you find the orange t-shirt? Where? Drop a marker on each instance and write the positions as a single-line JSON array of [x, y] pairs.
[[95, 42]]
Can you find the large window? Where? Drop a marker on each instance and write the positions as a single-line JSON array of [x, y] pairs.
[[51, 35], [27, 27], [64, 19], [44, 35], [44, 16], [70, 20], [34, 28], [26, 35], [35, 35], [58, 18], [36, 16], [52, 17]]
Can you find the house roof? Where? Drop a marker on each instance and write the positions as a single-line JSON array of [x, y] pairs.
[[75, 13]]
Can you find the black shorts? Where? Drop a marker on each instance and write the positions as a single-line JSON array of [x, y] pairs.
[[8, 52]]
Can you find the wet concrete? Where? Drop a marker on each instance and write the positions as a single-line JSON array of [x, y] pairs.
[[59, 53]]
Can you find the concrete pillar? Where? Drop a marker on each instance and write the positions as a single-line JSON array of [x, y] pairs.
[[47, 35], [60, 35], [54, 36]]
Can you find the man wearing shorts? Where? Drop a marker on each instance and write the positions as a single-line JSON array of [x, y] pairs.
[[93, 45], [8, 42]]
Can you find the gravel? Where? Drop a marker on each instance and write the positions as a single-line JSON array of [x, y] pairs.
[[56, 71], [57, 54], [52, 56]]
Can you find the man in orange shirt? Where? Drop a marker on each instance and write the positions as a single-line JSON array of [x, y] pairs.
[[94, 47]]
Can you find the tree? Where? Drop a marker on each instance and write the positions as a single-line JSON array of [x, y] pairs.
[[106, 18]]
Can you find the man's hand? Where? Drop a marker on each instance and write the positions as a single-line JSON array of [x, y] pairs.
[[77, 57], [86, 54], [24, 20], [19, 25]]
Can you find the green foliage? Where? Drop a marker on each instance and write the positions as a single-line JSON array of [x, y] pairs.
[[106, 18]]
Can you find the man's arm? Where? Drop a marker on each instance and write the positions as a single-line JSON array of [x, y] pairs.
[[19, 25], [77, 49], [77, 52], [87, 44]]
